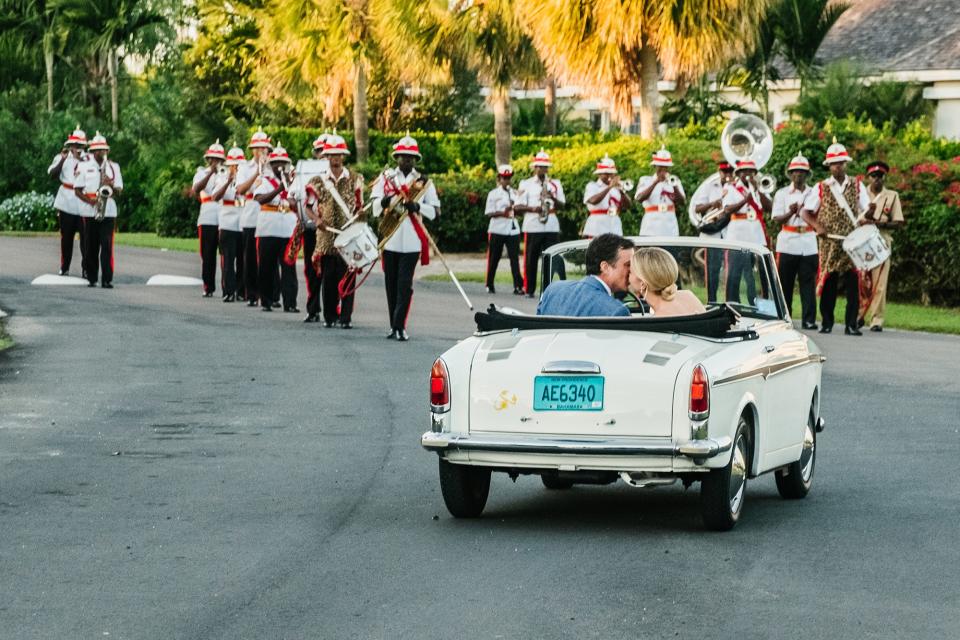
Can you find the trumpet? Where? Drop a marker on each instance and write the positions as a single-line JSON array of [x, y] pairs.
[[625, 184], [673, 180], [766, 183]]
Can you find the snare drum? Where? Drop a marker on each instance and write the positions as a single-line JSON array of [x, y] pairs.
[[357, 245], [866, 247]]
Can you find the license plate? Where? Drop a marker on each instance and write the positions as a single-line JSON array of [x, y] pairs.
[[568, 393]]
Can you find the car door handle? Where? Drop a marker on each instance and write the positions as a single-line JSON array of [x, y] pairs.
[[769, 348]]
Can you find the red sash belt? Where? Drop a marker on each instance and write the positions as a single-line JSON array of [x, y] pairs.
[[424, 244], [229, 203], [740, 216], [205, 199], [655, 208], [67, 185], [269, 208], [601, 212], [800, 229]]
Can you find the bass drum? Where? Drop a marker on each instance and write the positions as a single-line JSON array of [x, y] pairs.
[[357, 245], [866, 247]]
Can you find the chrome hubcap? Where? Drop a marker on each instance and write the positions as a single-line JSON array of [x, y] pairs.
[[738, 475], [806, 455]]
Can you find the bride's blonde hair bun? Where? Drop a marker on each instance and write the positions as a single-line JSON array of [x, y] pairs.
[[658, 269]]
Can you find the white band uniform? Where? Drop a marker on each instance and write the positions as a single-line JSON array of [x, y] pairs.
[[796, 237], [659, 212], [66, 199], [406, 240], [529, 196], [88, 178], [599, 220], [498, 200]]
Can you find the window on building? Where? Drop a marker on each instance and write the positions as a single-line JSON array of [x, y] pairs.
[[596, 120]]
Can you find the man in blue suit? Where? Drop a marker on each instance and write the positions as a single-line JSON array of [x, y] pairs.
[[608, 272]]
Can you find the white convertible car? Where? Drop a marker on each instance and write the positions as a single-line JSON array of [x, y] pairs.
[[718, 397]]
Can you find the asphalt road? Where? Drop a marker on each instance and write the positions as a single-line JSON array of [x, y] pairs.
[[175, 467]]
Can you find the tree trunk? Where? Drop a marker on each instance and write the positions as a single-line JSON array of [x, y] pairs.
[[502, 125], [112, 70], [361, 135], [550, 106], [649, 95], [48, 62]]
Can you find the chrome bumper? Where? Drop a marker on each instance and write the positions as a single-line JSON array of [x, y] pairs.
[[602, 446]]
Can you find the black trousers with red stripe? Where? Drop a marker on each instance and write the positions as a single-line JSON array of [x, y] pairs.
[[534, 245], [398, 269], [792, 267], [270, 260], [495, 251], [828, 297], [248, 251], [311, 275], [208, 234], [70, 226], [714, 262], [99, 252], [332, 270], [229, 261]]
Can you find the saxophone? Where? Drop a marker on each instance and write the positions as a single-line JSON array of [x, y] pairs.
[[545, 203], [104, 192]]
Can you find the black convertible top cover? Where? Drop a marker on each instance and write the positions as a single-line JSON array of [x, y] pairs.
[[714, 323]]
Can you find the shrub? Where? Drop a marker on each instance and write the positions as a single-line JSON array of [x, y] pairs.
[[30, 211]]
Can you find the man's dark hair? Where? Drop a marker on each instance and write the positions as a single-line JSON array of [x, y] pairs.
[[605, 248]]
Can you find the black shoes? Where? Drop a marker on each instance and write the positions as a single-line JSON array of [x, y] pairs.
[[491, 289], [852, 331], [392, 335], [860, 323], [346, 325], [63, 272], [530, 295], [876, 328], [275, 305], [267, 308], [312, 317], [810, 326], [291, 310], [252, 302], [229, 298], [208, 294], [402, 336], [328, 324], [518, 291], [107, 285], [825, 329]]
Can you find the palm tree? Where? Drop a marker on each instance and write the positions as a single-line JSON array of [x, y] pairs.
[[801, 27], [612, 48], [494, 43], [116, 29], [36, 21], [754, 72]]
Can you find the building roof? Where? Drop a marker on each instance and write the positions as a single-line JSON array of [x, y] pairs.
[[896, 35]]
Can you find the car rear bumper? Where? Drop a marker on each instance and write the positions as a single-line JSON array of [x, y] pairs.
[[592, 446]]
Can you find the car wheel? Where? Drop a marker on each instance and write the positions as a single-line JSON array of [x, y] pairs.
[[552, 482], [723, 490], [464, 489], [794, 480]]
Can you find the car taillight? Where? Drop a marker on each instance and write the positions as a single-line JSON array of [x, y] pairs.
[[439, 387], [699, 393]]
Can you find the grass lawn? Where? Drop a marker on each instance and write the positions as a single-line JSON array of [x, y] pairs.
[[5, 340], [148, 240], [899, 315]]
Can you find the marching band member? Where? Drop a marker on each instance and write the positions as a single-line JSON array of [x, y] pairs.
[[539, 198], [605, 199], [660, 196], [797, 242], [64, 169], [745, 203], [275, 224], [248, 175], [230, 235], [405, 193], [706, 199], [503, 230], [96, 178], [829, 208], [207, 183], [338, 196], [887, 215], [311, 270]]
